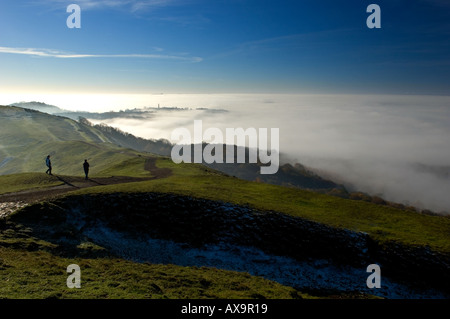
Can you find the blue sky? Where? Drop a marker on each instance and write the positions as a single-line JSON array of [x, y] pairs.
[[225, 46]]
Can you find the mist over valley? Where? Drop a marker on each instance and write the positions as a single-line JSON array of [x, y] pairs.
[[391, 146]]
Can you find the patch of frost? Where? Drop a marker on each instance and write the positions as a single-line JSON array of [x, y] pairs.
[[302, 275]]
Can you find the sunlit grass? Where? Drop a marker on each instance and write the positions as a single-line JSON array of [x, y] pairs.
[[42, 275], [26, 181], [383, 223]]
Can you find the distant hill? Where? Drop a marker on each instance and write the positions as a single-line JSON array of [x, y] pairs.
[[27, 136], [136, 113], [39, 106]]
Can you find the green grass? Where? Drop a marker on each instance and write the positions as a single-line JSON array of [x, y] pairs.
[[68, 157], [119, 165], [30, 272], [133, 167], [26, 138], [30, 269], [35, 127], [26, 181], [383, 223], [40, 274]]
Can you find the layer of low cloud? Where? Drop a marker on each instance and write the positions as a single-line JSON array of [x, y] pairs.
[[393, 146]]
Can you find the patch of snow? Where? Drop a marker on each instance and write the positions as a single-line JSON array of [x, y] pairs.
[[8, 208], [302, 275]]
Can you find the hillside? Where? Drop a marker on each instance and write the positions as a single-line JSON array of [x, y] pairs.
[[39, 106], [28, 136], [212, 235], [36, 129], [194, 217]]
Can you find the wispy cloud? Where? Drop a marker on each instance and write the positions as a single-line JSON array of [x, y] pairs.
[[300, 40], [64, 55], [148, 9], [84, 4], [186, 20], [150, 4], [132, 5]]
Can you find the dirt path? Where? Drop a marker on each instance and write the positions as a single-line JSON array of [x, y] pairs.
[[13, 201], [150, 165]]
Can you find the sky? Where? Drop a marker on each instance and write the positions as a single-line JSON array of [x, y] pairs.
[[225, 46], [368, 107]]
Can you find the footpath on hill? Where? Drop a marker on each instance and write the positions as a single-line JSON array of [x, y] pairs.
[[11, 202]]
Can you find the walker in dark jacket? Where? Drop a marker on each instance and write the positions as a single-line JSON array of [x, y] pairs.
[[86, 168], [49, 165]]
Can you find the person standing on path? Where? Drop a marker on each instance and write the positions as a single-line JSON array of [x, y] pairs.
[[48, 162], [86, 168]]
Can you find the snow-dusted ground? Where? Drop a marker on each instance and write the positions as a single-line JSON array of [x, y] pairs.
[[8, 208], [316, 274]]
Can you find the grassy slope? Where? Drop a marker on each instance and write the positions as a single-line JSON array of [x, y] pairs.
[[29, 269], [42, 127], [133, 167], [23, 269], [114, 166], [67, 141], [381, 222], [40, 274], [26, 181], [68, 157]]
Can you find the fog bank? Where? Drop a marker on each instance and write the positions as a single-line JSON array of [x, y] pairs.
[[397, 147]]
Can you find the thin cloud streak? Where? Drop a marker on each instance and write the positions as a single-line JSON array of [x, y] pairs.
[[133, 6], [62, 55], [146, 5], [293, 40]]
